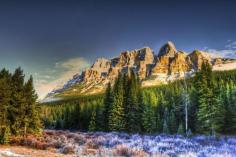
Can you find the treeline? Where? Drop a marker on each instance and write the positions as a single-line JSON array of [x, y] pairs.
[[73, 113], [19, 112], [210, 98]]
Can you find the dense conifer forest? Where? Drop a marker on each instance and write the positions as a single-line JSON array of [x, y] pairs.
[[207, 102], [19, 112]]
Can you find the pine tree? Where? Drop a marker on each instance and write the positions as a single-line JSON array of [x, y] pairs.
[[92, 123], [132, 105], [17, 102], [209, 118], [67, 118], [181, 129], [5, 96], [31, 118], [99, 118], [172, 123], [148, 119], [117, 115], [107, 106], [229, 109], [5, 137], [165, 122], [76, 122]]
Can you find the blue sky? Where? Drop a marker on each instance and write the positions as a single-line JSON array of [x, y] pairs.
[[52, 40]]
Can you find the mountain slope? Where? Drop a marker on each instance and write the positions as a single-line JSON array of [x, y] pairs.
[[168, 65]]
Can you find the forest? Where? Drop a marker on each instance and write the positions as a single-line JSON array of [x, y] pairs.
[[19, 111], [203, 104]]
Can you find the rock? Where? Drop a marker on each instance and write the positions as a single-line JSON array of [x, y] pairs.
[[197, 58], [179, 63], [168, 65], [167, 50], [218, 61], [91, 75], [101, 65], [162, 65]]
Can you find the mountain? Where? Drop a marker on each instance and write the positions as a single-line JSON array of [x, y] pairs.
[[168, 65]]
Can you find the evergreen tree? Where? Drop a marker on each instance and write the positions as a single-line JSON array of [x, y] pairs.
[[229, 109], [17, 102], [5, 137], [172, 123], [107, 106], [117, 115], [5, 96], [181, 129], [132, 106], [31, 118], [76, 122], [209, 118], [165, 122], [67, 118], [99, 118], [92, 123], [148, 119]]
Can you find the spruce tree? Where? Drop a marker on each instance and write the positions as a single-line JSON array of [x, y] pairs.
[[148, 119], [17, 102], [132, 105], [31, 118], [172, 123], [117, 114], [5, 96], [229, 109], [5, 137], [209, 118], [99, 118], [165, 122], [76, 114], [92, 123], [107, 106], [181, 129]]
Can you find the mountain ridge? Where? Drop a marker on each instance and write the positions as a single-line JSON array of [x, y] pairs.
[[153, 69]]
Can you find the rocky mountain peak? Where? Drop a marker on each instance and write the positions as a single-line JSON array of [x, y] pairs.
[[197, 57], [101, 65], [167, 50], [167, 66]]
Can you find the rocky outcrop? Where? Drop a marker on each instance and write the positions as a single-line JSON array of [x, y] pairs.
[[168, 50], [180, 63], [198, 58], [101, 65], [168, 65]]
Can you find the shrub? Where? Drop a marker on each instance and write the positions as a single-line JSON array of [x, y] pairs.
[[5, 137], [80, 139], [92, 145], [122, 150], [68, 150]]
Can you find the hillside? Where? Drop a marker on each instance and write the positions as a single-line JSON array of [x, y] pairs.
[[153, 69]]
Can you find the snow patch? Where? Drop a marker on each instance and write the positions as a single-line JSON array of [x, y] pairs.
[[9, 153], [227, 66]]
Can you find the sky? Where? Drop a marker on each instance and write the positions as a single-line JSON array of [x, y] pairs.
[[55, 39]]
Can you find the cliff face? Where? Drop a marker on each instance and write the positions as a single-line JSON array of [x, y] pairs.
[[168, 65]]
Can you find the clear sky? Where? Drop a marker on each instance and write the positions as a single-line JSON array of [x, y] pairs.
[[54, 39]]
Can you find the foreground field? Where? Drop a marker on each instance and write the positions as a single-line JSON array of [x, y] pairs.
[[65, 143]]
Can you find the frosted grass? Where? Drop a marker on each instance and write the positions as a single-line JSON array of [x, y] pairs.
[[115, 144]]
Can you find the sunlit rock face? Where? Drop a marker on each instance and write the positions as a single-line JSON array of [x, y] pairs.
[[167, 65], [168, 50]]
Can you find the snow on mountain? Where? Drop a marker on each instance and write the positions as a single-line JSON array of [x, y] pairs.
[[170, 64]]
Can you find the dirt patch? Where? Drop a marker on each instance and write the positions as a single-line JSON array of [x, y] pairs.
[[22, 151]]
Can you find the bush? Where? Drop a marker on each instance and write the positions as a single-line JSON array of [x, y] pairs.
[[5, 137], [79, 139], [92, 145], [122, 150], [68, 150]]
